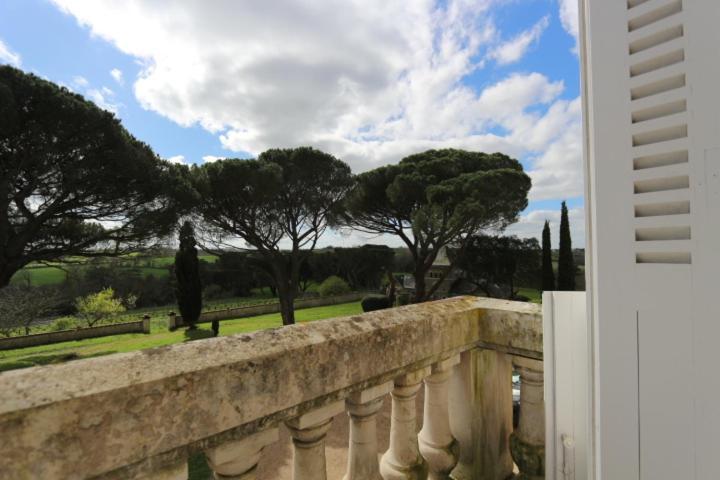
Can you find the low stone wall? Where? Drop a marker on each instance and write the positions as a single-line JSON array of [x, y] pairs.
[[176, 321], [141, 326], [139, 414]]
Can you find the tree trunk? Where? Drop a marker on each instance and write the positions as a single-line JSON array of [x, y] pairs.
[[287, 309], [420, 289], [391, 287], [6, 273]]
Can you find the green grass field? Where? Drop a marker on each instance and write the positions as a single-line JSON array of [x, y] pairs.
[[47, 274], [39, 276], [61, 352]]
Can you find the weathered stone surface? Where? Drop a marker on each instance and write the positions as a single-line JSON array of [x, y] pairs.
[[527, 443], [514, 327], [481, 415], [122, 415]]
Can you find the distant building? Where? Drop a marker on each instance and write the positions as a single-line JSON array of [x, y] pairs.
[[439, 269]]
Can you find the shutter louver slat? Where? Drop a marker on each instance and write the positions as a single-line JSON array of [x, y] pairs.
[[659, 130], [651, 12], [664, 31]]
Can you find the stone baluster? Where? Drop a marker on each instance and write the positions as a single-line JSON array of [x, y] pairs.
[[363, 450], [527, 443], [481, 415], [238, 459], [437, 445], [308, 432], [403, 460]]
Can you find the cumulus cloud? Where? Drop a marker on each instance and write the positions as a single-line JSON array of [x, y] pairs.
[[531, 225], [558, 171], [367, 80], [570, 18], [117, 75], [180, 159], [516, 48], [211, 158], [104, 98], [80, 81], [8, 56]]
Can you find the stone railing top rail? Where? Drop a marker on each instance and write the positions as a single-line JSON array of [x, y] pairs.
[[120, 415]]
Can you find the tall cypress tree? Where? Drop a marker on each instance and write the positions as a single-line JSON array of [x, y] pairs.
[[548, 275], [188, 290], [566, 263]]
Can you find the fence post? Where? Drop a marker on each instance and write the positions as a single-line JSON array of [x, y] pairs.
[[171, 321], [146, 323]]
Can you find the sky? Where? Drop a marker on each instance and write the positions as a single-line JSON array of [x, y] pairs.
[[370, 81]]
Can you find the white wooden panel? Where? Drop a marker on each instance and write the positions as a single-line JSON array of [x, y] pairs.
[[666, 401], [567, 367], [610, 261], [706, 312]]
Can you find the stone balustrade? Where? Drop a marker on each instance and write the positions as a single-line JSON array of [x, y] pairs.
[[141, 414]]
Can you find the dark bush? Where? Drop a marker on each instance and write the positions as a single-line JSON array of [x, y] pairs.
[[333, 286], [214, 292], [375, 302]]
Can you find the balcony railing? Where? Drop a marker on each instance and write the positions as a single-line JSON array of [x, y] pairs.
[[141, 414]]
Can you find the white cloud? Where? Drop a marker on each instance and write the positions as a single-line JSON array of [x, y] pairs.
[[558, 171], [117, 74], [367, 80], [103, 98], [8, 56], [180, 159], [211, 158], [513, 50], [80, 81], [531, 225], [570, 18]]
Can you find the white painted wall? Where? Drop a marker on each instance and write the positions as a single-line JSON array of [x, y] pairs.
[[652, 133], [567, 388]]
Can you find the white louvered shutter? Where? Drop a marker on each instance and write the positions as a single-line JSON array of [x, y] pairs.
[[652, 104]]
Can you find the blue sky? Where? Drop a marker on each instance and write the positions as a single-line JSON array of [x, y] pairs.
[[370, 81]]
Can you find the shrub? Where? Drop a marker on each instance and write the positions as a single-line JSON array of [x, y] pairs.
[[63, 323], [375, 302], [99, 306], [214, 292], [333, 286]]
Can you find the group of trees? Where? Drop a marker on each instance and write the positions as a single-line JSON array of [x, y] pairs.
[[566, 261], [281, 203], [497, 265], [74, 182]]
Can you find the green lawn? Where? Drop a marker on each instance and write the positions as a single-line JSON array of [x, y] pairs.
[[40, 274], [535, 296], [61, 352]]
